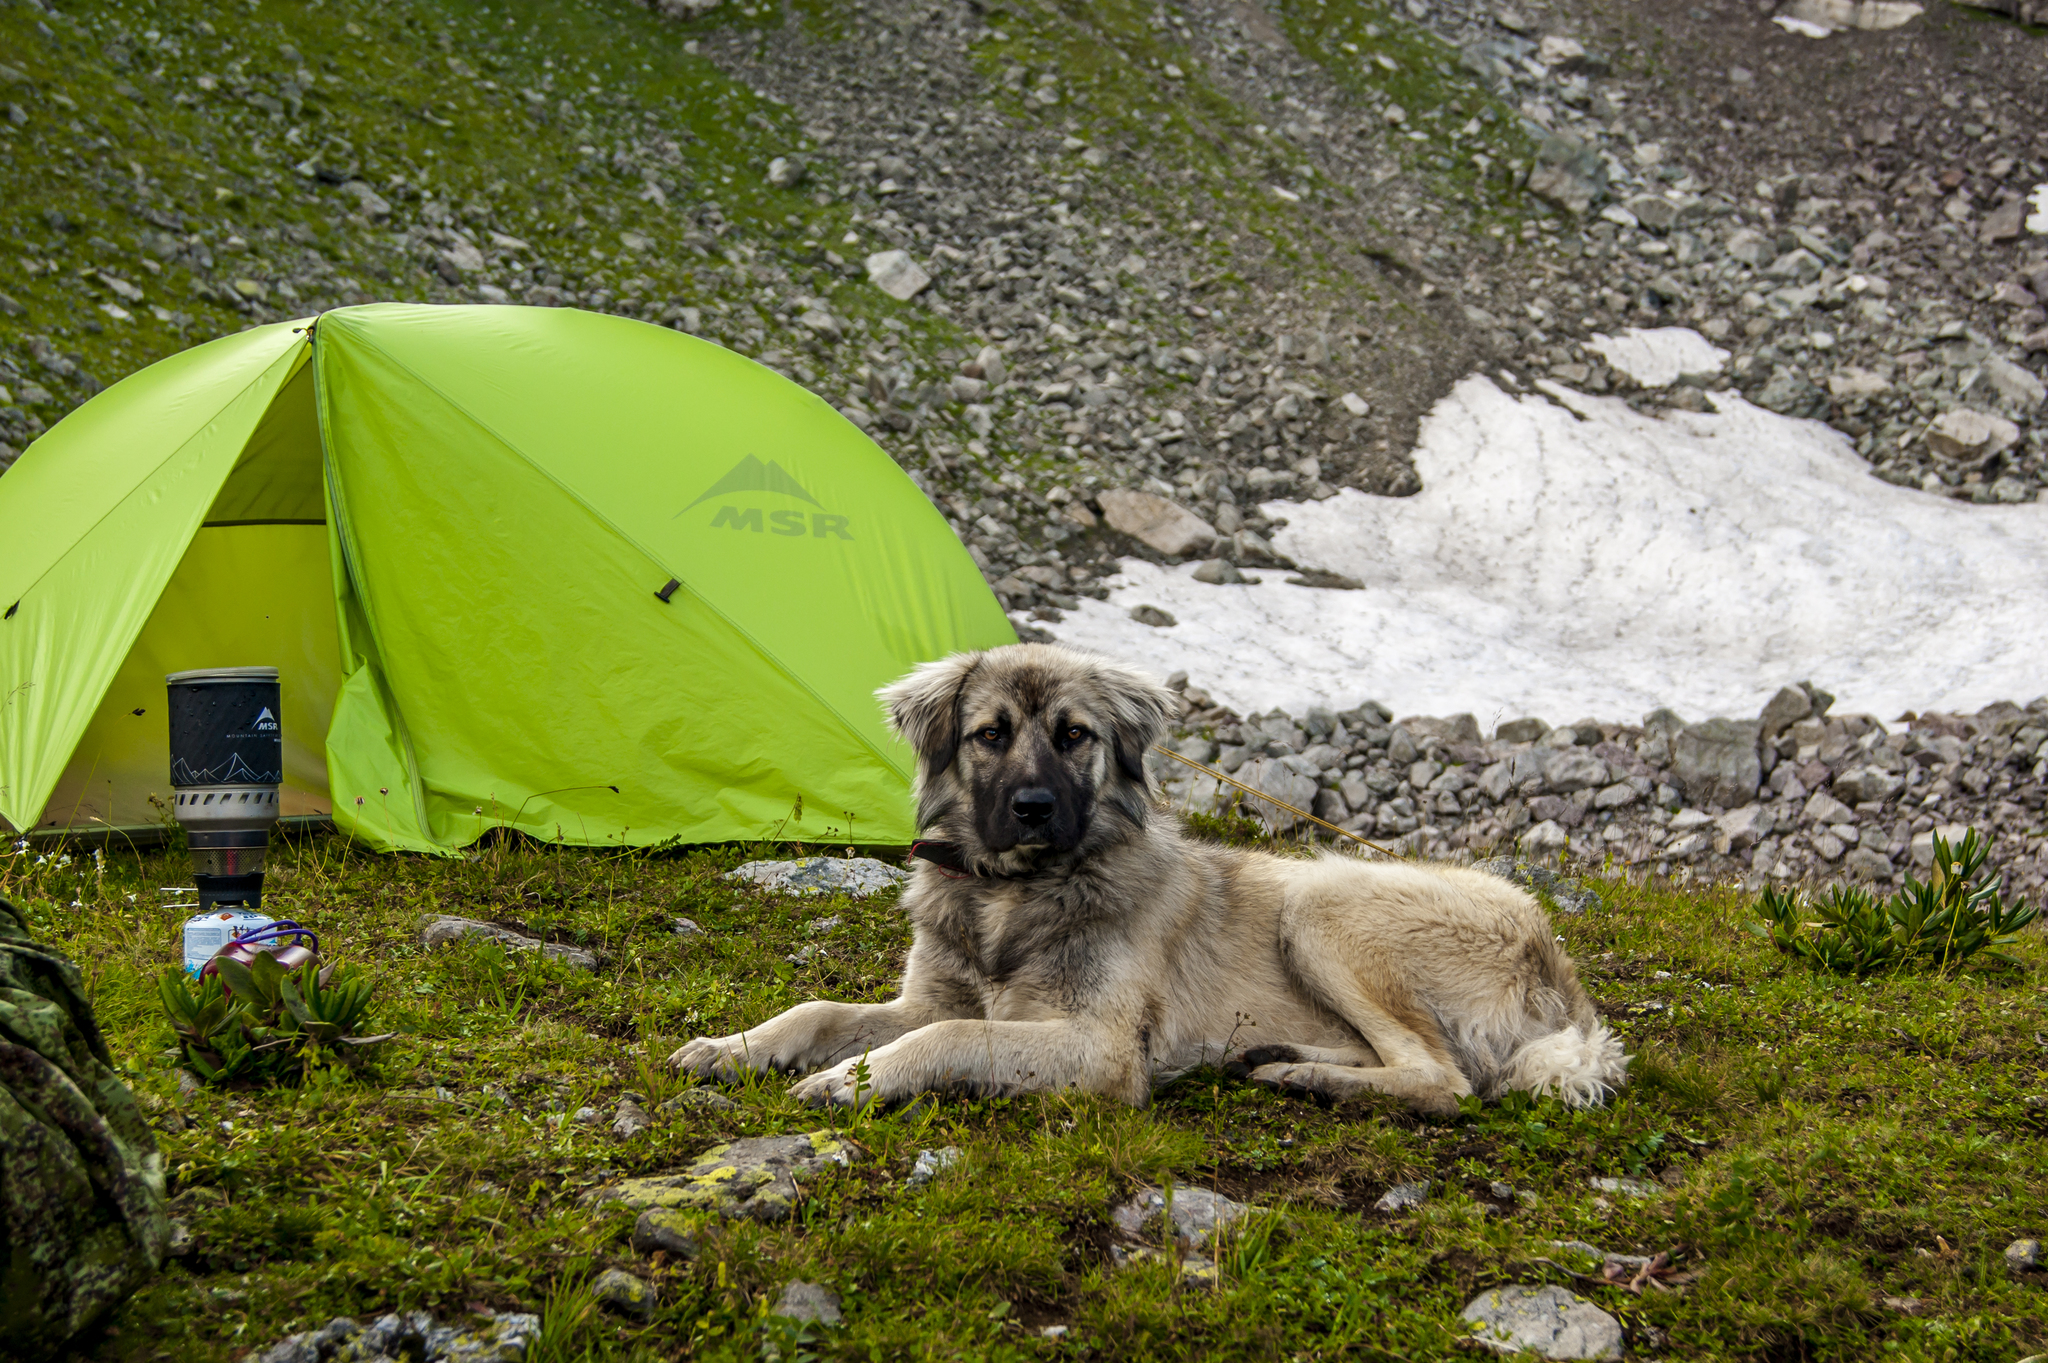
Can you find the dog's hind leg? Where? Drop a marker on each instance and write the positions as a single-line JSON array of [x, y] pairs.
[[1362, 982], [1241, 1062]]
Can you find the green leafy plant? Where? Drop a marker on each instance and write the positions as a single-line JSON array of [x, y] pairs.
[[1939, 923], [263, 1024]]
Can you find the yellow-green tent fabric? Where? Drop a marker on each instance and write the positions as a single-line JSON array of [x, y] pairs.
[[534, 568]]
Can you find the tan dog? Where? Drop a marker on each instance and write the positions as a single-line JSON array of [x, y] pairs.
[[1071, 935]]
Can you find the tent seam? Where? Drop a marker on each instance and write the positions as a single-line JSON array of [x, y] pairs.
[[340, 527]]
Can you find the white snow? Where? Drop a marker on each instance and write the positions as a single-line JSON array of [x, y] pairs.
[[1656, 358], [1608, 562]]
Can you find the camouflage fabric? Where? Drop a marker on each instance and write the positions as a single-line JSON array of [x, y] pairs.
[[82, 1219]]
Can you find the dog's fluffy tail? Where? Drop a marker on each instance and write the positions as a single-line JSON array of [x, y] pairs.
[[1581, 1066]]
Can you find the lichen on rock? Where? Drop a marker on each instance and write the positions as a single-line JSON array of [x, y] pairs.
[[755, 1178]]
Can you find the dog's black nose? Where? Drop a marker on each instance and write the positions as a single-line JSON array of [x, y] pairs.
[[1032, 806]]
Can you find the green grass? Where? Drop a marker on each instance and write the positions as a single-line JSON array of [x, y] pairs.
[[1826, 1144]]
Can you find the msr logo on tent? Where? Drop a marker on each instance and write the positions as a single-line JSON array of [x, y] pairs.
[[266, 721], [751, 475]]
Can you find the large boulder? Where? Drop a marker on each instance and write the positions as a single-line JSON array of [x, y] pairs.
[[1716, 762], [82, 1217], [1282, 779], [1156, 522]]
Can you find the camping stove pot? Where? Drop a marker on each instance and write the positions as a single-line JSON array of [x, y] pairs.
[[227, 761]]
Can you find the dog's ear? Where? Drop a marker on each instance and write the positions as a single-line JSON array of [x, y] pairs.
[[1138, 707], [924, 708]]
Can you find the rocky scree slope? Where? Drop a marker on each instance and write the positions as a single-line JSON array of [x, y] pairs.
[[1796, 793], [1160, 266]]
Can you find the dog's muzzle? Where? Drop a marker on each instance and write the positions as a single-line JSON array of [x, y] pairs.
[[1034, 807]]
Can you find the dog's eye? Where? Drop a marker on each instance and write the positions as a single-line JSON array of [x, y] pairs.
[[992, 734], [1075, 733]]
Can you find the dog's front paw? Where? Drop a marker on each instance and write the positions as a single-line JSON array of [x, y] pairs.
[[839, 1086], [708, 1057]]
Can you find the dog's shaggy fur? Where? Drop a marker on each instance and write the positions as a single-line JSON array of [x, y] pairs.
[[1087, 942]]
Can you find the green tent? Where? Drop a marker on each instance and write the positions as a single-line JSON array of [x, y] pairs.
[[526, 567]]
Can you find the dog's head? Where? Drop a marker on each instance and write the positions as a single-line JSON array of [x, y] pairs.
[[1029, 754]]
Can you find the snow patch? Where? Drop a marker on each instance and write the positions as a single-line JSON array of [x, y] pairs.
[[1656, 358], [1596, 561]]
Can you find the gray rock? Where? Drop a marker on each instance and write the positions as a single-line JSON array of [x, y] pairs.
[[1617, 796], [854, 877], [1663, 722], [931, 1163], [2013, 383], [1569, 173], [808, 1302], [1864, 863], [1549, 1322], [755, 1178], [1716, 761], [688, 927], [1521, 731], [1799, 266], [1653, 211], [1156, 522], [624, 1293], [439, 929], [1218, 572], [1196, 1213], [1783, 710], [667, 1230], [630, 1120], [292, 1349], [1864, 785], [1153, 616], [1401, 749], [1544, 838], [2023, 1256], [368, 202], [1740, 828], [1402, 1196], [1788, 393], [1272, 776], [787, 172], [1574, 769], [1966, 437], [1822, 807], [506, 1339], [896, 274]]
